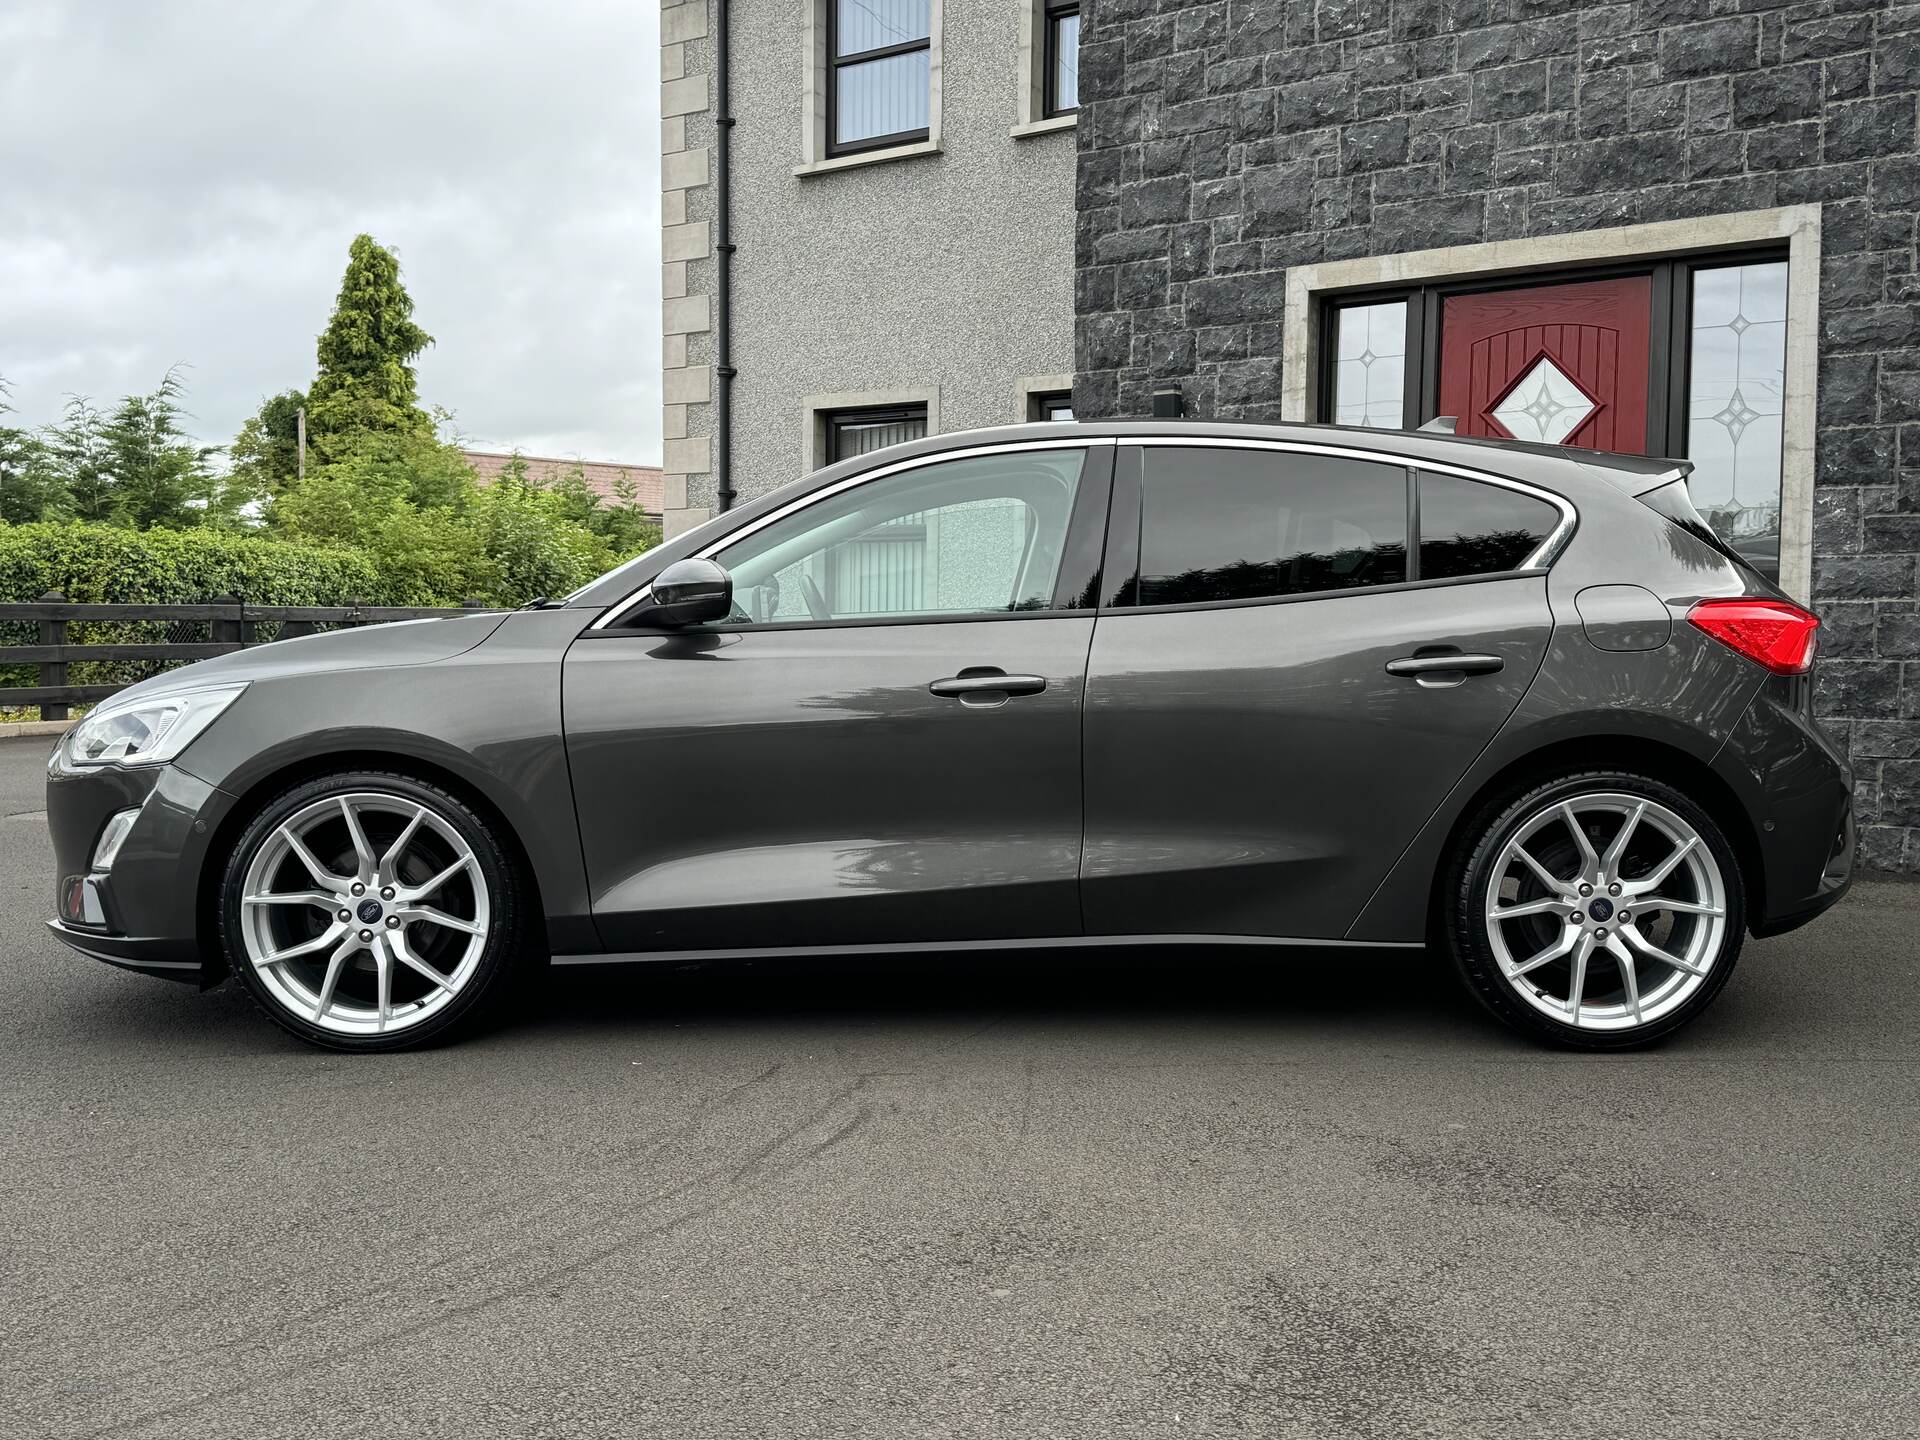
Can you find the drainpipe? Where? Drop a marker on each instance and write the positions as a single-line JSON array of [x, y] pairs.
[[723, 268]]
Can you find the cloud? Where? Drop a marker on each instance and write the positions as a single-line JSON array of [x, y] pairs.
[[183, 179]]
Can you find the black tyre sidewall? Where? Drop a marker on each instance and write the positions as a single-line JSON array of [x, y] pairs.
[[498, 959], [1466, 924]]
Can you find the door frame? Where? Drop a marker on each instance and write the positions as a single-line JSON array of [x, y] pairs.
[[1122, 568], [1501, 263], [1075, 589]]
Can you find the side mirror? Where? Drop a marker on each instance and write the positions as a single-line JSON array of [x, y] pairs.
[[692, 592]]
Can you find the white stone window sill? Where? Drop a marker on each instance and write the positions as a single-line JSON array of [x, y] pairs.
[[868, 157], [1046, 126]]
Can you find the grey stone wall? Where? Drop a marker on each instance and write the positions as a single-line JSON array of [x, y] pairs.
[[1223, 142]]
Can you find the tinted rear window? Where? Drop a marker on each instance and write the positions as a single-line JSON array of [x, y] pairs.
[[1467, 528], [1250, 524]]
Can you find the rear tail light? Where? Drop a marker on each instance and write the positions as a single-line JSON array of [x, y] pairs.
[[1775, 633]]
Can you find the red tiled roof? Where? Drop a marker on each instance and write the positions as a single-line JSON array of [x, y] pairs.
[[601, 474]]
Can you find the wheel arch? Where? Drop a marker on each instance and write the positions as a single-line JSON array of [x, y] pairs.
[[264, 786], [1654, 758]]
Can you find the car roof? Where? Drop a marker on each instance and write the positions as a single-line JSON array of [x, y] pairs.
[[1521, 459]]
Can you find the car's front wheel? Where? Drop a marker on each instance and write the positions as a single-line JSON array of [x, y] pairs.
[[371, 911], [1600, 910]]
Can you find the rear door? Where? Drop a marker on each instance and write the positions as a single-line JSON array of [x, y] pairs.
[[1271, 712], [835, 764]]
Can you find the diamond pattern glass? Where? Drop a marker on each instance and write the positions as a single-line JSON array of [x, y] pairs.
[[1370, 365], [1544, 405], [1736, 386]]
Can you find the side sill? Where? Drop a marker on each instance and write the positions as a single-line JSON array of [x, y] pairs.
[[949, 947]]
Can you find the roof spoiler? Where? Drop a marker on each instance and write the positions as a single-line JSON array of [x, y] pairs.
[[1441, 425]]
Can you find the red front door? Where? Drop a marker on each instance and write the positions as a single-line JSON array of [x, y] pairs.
[[1566, 364]]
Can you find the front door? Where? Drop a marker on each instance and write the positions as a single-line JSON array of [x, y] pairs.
[[1259, 749], [835, 764], [1564, 364]]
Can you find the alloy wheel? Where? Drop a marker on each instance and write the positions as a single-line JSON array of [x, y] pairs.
[[364, 913], [1606, 911]]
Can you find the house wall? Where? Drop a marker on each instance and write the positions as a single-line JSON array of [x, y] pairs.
[[946, 275], [1226, 143]]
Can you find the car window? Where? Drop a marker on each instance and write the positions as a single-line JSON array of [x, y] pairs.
[[1221, 524], [959, 537], [1467, 528]]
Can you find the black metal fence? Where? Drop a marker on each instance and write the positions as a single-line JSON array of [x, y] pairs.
[[114, 646]]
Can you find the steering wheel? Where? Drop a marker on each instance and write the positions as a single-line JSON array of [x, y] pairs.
[[816, 602]]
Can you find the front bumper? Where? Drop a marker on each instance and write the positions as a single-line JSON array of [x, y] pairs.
[[143, 912]]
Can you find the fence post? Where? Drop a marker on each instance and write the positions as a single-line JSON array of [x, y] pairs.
[[226, 631], [53, 672], [473, 604]]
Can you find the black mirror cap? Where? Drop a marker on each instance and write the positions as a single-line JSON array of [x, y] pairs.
[[691, 592]]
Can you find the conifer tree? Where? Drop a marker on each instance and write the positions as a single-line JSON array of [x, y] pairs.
[[365, 384]]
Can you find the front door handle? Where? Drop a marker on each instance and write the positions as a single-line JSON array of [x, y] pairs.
[[983, 684], [1418, 665]]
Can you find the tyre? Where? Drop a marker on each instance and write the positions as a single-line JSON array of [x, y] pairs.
[[1600, 910], [372, 911]]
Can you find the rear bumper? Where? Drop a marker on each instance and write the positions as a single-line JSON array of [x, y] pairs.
[[1798, 789]]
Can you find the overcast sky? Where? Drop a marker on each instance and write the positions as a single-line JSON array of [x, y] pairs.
[[180, 179]]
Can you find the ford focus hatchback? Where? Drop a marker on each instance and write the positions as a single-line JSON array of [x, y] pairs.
[[1030, 687]]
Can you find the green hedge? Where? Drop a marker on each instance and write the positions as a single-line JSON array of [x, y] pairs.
[[106, 565]]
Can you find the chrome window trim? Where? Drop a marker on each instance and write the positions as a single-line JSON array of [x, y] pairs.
[[1013, 447], [1543, 554]]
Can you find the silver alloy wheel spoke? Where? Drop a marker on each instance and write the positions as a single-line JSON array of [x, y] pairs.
[[404, 953], [1651, 881], [1553, 906], [334, 962], [1629, 977], [1610, 862], [430, 916], [1547, 877], [1546, 931], [385, 871], [1644, 903], [1589, 861], [1577, 987], [364, 971], [293, 897], [1648, 950], [361, 849], [1558, 950], [306, 947], [321, 875]]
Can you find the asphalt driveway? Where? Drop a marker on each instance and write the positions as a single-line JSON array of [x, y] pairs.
[[1127, 1196]]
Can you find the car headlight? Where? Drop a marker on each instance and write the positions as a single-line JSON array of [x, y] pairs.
[[150, 730]]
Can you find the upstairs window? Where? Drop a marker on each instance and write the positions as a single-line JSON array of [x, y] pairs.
[[859, 432], [879, 73], [1062, 59]]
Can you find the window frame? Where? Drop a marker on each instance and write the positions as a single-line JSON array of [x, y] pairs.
[[1077, 587], [832, 422], [1041, 402], [1050, 16], [1668, 365], [834, 148], [1121, 578]]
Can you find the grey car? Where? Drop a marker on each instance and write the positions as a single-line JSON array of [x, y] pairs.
[[1046, 686]]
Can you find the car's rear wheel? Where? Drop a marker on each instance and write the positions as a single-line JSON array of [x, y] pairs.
[[1599, 910], [371, 911]]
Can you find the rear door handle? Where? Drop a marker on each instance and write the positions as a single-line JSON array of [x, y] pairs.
[[984, 680], [1417, 665]]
